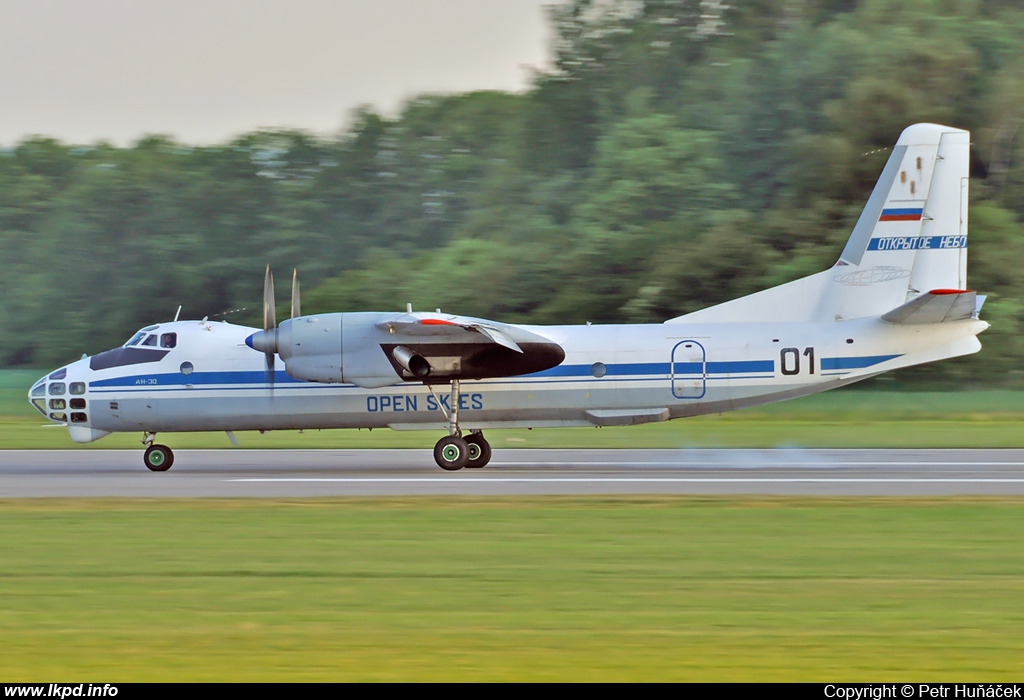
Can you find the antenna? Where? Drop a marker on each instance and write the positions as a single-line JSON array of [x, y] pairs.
[[177, 313], [408, 307]]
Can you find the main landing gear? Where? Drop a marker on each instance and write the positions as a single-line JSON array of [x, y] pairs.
[[158, 458], [453, 452]]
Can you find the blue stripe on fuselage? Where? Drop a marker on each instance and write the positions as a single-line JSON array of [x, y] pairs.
[[197, 379], [828, 363], [662, 368], [626, 370]]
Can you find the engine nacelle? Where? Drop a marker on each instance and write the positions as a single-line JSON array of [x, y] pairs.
[[363, 349], [335, 348]]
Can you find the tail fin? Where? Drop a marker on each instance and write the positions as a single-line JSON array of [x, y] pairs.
[[910, 239]]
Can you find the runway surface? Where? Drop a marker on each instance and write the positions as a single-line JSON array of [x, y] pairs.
[[312, 473]]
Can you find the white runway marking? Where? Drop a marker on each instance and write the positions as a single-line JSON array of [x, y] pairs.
[[609, 480], [768, 462]]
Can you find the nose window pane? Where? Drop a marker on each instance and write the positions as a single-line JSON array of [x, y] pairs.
[[60, 374], [77, 388], [57, 388], [39, 390]]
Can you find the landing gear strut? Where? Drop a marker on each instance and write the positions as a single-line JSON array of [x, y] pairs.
[[453, 452], [158, 458]]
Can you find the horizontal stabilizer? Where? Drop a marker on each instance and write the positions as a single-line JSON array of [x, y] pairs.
[[937, 306]]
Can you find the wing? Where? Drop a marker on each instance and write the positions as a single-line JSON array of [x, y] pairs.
[[447, 326], [440, 347]]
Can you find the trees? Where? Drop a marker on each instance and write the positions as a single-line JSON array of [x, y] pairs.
[[681, 152]]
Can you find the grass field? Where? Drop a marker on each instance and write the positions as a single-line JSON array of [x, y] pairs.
[[626, 589], [592, 589], [851, 417]]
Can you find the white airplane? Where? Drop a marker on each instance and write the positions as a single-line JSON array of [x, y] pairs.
[[897, 297]]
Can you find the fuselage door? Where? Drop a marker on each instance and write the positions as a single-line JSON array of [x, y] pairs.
[[689, 370]]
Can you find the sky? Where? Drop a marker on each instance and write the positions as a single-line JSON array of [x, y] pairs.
[[203, 71]]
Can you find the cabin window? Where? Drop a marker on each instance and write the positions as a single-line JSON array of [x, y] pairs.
[[168, 340], [77, 388], [57, 388]]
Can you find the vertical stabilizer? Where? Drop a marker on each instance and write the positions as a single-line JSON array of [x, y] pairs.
[[913, 231], [910, 239]]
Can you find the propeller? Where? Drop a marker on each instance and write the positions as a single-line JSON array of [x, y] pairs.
[[266, 341], [269, 324]]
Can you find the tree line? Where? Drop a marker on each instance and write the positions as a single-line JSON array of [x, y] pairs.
[[677, 154]]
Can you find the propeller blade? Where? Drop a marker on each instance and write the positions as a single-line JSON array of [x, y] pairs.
[[269, 324], [269, 312], [270, 370], [296, 308]]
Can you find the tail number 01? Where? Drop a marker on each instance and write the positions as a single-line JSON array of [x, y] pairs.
[[789, 360]]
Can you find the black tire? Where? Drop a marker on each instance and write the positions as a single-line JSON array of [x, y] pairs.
[[479, 451], [158, 458], [451, 453]]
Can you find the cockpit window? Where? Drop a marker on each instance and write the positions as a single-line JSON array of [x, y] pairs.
[[135, 339], [150, 341], [168, 340]]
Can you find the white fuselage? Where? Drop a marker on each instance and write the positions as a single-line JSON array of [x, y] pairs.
[[611, 375]]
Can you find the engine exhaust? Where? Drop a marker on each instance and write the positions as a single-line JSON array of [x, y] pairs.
[[413, 362]]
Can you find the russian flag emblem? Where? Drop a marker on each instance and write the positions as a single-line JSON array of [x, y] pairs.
[[901, 214]]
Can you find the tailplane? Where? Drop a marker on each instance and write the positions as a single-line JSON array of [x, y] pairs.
[[910, 240]]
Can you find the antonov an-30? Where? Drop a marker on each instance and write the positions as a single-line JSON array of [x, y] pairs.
[[897, 297]]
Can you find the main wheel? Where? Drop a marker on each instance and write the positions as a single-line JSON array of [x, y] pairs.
[[158, 458], [451, 453], [479, 450]]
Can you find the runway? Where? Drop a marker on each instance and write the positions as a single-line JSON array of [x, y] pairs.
[[317, 473]]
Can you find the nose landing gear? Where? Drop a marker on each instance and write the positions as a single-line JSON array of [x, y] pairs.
[[453, 452]]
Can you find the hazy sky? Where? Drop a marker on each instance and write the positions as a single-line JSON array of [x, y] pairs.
[[205, 70]]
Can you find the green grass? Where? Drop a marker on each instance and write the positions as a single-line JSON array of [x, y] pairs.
[[621, 589]]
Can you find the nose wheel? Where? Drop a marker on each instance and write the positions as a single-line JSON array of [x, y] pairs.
[[453, 452]]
